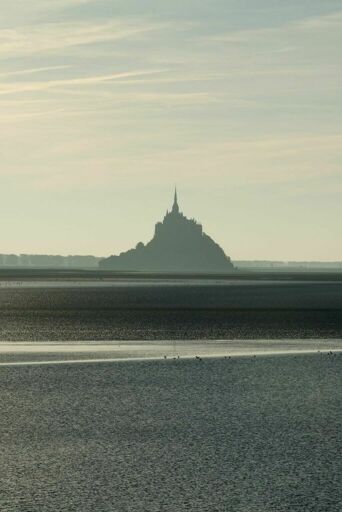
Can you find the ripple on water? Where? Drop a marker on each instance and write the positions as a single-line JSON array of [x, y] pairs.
[[244, 434]]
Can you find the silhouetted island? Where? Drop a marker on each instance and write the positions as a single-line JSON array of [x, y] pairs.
[[179, 244]]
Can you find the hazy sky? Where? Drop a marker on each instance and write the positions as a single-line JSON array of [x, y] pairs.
[[106, 104]]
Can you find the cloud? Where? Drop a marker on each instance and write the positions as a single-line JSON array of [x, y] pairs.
[[31, 71], [253, 161], [291, 159], [329, 21], [307, 46], [14, 88], [113, 104], [316, 25], [28, 11], [43, 38], [296, 63]]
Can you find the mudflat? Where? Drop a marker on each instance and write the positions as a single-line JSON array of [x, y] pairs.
[[177, 309]]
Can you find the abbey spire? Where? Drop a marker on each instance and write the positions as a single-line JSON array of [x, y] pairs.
[[175, 207]]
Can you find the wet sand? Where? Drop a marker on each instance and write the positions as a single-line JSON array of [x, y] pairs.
[[45, 353], [172, 312]]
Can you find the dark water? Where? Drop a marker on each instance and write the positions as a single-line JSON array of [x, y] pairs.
[[240, 435], [248, 311]]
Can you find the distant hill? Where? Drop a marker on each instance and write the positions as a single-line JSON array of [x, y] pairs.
[[178, 245]]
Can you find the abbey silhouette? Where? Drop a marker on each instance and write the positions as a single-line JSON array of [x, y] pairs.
[[178, 245]]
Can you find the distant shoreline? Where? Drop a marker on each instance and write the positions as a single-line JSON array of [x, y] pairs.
[[48, 262], [23, 274]]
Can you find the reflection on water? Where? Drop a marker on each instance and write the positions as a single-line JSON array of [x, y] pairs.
[[171, 312], [241, 434], [123, 350]]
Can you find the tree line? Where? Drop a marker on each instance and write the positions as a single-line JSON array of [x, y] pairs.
[[47, 260]]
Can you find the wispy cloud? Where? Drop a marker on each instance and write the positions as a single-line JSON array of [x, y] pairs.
[[15, 117], [272, 160], [14, 88], [28, 11], [114, 104], [42, 38], [31, 71], [309, 25]]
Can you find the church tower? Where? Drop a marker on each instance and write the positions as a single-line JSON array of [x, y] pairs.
[[175, 207]]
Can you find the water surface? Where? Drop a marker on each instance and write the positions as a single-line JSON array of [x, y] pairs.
[[241, 434], [164, 312]]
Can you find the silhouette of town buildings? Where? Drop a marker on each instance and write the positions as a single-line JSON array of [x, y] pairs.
[[179, 244]]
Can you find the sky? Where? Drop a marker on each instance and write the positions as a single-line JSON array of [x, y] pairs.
[[105, 105]]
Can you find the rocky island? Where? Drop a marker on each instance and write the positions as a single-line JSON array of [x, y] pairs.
[[179, 245]]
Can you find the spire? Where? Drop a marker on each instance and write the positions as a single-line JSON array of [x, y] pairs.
[[175, 207]]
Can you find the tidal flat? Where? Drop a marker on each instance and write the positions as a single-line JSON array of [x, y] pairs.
[[180, 310], [105, 406], [243, 434]]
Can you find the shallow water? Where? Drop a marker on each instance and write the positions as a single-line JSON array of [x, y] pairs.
[[294, 310], [38, 353], [140, 433], [242, 435]]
